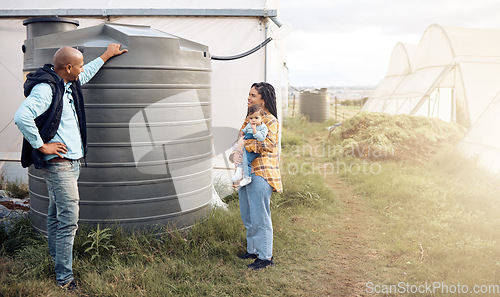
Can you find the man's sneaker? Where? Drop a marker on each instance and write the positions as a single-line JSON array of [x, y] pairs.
[[69, 286], [259, 264], [248, 256]]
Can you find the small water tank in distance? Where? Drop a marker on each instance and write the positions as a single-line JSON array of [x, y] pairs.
[[150, 148], [315, 104]]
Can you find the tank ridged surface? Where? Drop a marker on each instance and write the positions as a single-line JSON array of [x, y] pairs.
[[315, 104], [149, 129]]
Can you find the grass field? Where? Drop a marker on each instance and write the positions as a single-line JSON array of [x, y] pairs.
[[345, 226]]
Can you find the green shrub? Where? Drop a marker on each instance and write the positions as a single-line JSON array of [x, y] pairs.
[[378, 136], [17, 234], [98, 243], [2, 181], [17, 189]]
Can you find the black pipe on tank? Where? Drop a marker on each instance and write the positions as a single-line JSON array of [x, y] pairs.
[[229, 58]]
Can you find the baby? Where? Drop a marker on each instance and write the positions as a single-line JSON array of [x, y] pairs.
[[254, 129]]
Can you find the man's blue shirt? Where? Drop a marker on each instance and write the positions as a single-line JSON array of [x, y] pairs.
[[39, 101]]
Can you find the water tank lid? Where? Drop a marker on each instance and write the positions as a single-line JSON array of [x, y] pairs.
[[50, 19]]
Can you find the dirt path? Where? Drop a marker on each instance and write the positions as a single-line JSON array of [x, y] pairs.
[[349, 253]]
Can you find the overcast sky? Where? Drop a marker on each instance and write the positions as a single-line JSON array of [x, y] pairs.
[[349, 42]]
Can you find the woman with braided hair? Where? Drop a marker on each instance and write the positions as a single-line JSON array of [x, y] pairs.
[[255, 197]]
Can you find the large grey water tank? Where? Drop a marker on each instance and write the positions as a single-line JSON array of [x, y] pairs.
[[148, 122], [315, 104]]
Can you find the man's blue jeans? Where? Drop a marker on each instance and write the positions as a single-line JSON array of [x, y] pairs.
[[255, 213], [62, 217]]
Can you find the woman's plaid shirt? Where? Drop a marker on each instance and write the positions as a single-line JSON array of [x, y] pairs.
[[267, 164]]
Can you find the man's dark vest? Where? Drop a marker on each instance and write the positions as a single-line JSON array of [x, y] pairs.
[[48, 122]]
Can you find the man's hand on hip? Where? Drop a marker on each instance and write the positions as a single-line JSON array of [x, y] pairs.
[[53, 148]]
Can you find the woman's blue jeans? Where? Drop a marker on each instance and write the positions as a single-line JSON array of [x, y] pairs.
[[255, 212], [62, 217]]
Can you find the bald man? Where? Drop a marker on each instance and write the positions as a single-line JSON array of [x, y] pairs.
[[52, 121]]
